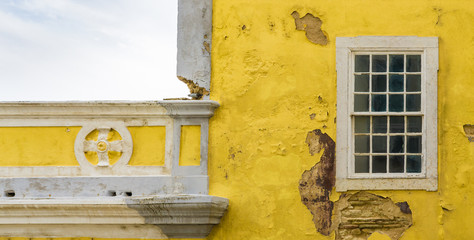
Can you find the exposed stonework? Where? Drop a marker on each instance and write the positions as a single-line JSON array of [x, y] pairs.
[[316, 184], [312, 26], [358, 215], [197, 92], [469, 131]]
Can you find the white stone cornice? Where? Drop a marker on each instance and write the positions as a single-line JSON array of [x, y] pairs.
[[173, 216], [76, 113]]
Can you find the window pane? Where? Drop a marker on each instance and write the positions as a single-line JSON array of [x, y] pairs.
[[379, 103], [397, 124], [396, 144], [361, 63], [379, 144], [414, 124], [413, 83], [379, 124], [413, 164], [414, 144], [379, 164], [413, 102], [379, 83], [396, 164], [362, 144], [361, 164], [395, 103], [361, 103], [396, 83], [396, 63], [362, 124], [379, 63], [413, 63], [361, 83]]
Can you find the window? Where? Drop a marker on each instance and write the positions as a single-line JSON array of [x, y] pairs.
[[387, 113]]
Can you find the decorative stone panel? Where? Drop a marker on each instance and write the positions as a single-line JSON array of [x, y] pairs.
[[113, 200]]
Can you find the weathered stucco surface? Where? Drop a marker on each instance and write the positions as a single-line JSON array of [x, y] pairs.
[[268, 76], [270, 80], [359, 215], [312, 26], [317, 183]]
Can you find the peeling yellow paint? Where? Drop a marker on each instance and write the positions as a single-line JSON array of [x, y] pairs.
[[312, 26], [358, 215], [268, 79]]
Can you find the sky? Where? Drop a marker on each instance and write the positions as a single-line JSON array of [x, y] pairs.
[[88, 50]]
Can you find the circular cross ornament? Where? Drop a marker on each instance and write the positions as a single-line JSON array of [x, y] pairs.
[[103, 146]]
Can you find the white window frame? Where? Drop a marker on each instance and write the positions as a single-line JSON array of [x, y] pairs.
[[346, 48]]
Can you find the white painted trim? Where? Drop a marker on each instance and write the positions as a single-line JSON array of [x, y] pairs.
[[173, 216], [118, 201], [118, 115], [150, 113], [345, 46]]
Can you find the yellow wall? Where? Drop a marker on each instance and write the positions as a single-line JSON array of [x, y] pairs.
[[274, 86], [54, 146], [269, 80]]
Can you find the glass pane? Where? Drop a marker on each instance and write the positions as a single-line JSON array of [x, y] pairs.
[[361, 103], [413, 164], [361, 164], [362, 144], [361, 83], [362, 124], [379, 144], [379, 164], [413, 63], [396, 144], [379, 63], [396, 63], [395, 103], [379, 83], [414, 124], [379, 103], [413, 102], [379, 124], [396, 164], [397, 124], [414, 144], [361, 63], [396, 83], [413, 83]]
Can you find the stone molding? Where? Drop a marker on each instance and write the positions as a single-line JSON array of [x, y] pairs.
[[78, 113], [169, 216], [110, 201]]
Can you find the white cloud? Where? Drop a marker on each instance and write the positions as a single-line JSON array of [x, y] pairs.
[[88, 50]]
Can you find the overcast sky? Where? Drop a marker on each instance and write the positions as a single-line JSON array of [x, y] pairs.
[[88, 50]]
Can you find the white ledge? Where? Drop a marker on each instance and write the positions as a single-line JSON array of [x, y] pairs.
[[75, 112], [168, 216]]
